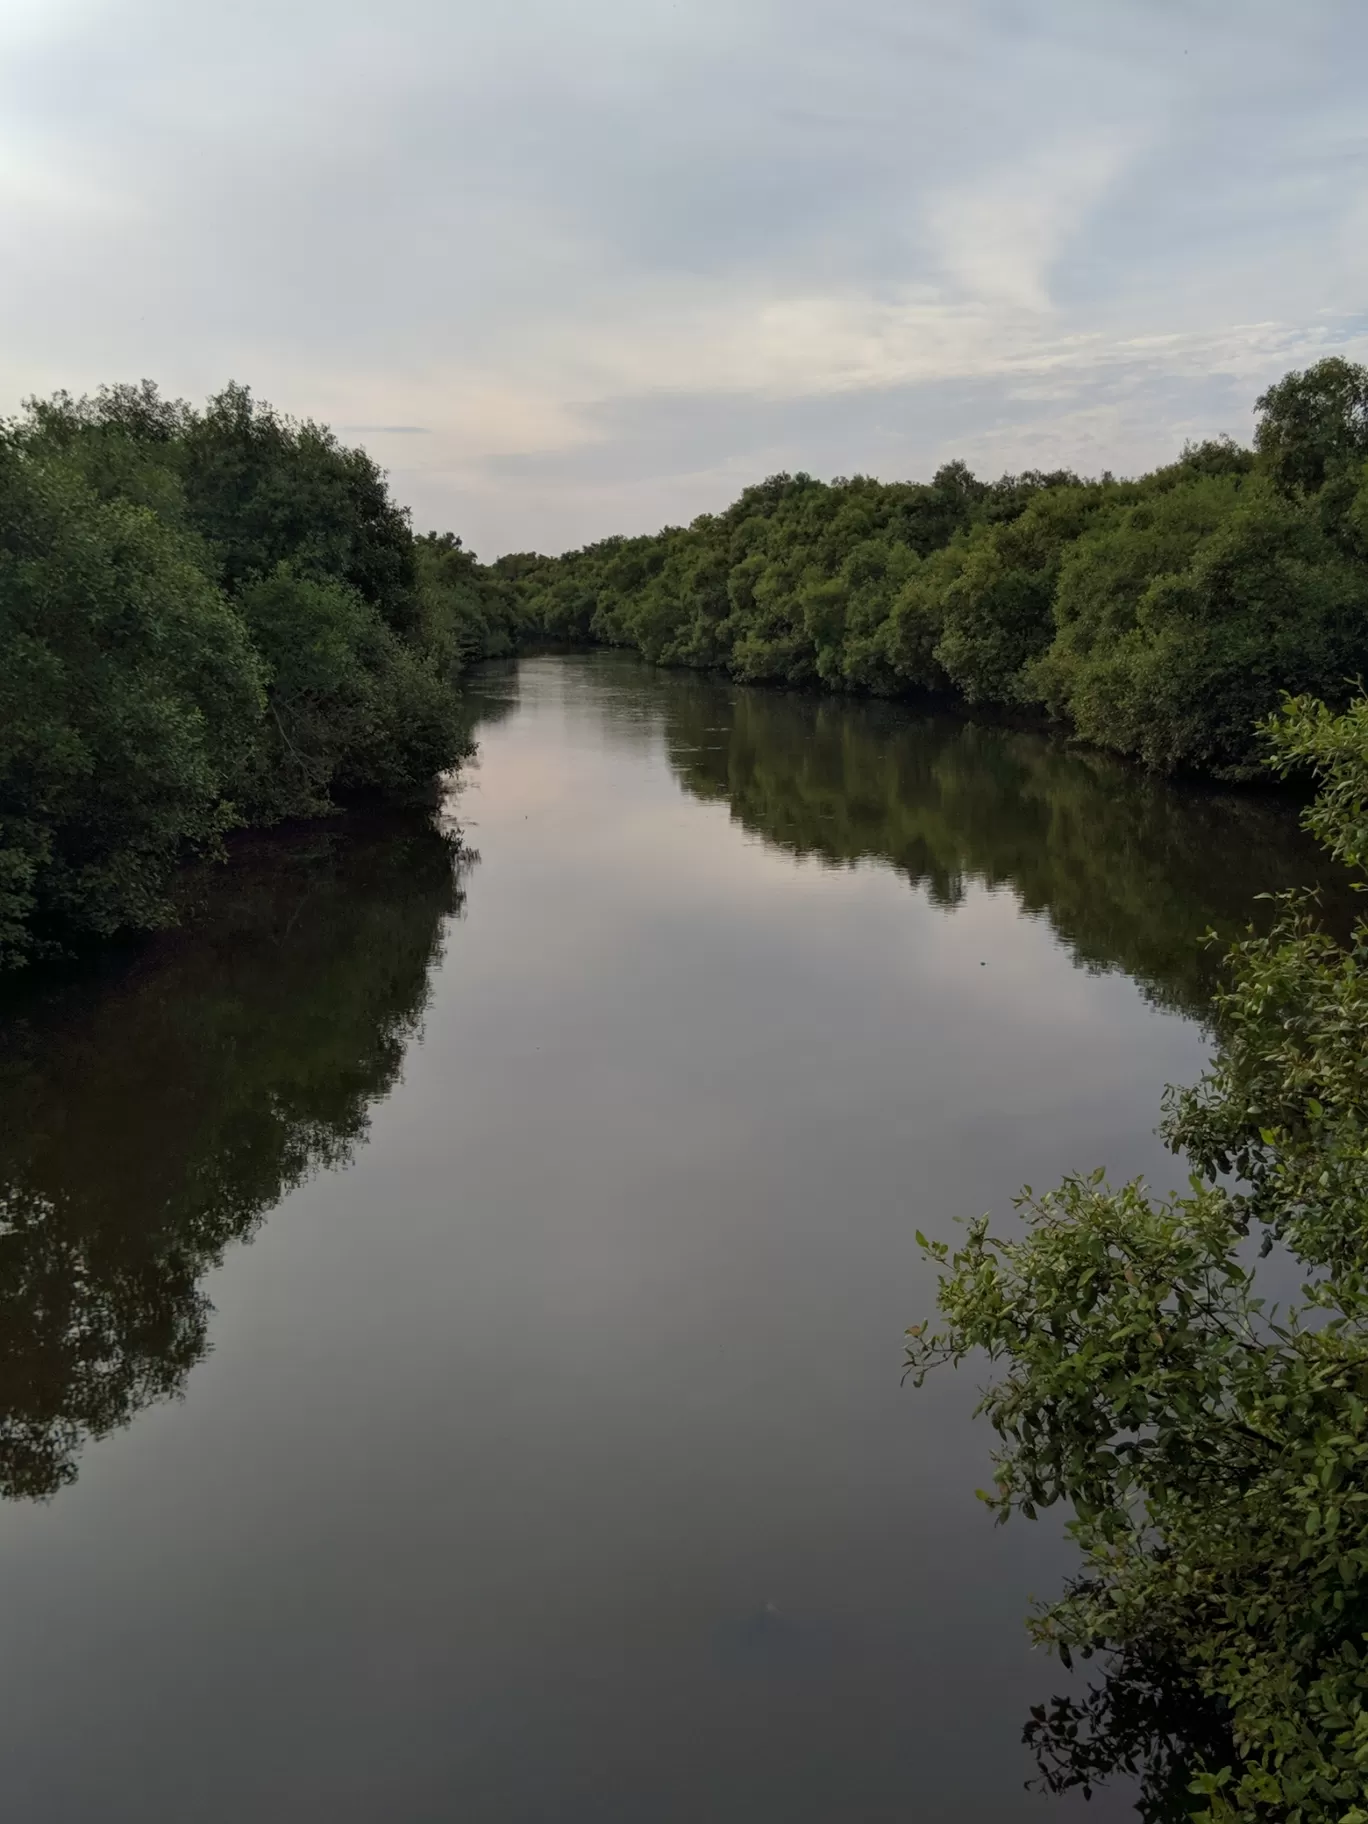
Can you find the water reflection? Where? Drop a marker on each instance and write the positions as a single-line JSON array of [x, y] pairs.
[[151, 1118], [1130, 871], [553, 1463], [1143, 1720]]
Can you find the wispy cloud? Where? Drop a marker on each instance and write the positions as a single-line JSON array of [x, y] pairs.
[[570, 270], [1000, 235]]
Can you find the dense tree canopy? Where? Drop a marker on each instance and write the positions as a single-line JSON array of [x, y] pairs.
[[1314, 426], [130, 694], [206, 619], [1160, 617]]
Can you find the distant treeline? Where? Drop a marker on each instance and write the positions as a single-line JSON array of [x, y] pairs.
[[217, 618], [207, 619], [1160, 617]]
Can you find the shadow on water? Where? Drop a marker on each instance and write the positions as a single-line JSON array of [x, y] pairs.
[[153, 1114], [1130, 870], [1143, 1721]]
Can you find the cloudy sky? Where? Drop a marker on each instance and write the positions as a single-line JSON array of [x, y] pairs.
[[568, 269]]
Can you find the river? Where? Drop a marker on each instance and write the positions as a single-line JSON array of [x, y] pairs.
[[544, 1456]]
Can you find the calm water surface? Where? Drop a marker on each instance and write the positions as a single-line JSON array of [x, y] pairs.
[[544, 1456]]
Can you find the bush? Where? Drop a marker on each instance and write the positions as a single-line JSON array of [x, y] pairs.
[[350, 706], [206, 618], [130, 698], [1159, 617], [1268, 603]]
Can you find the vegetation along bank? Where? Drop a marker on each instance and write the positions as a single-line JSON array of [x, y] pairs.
[[208, 619], [1161, 617], [217, 618]]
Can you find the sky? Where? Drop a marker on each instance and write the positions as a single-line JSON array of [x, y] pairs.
[[569, 270]]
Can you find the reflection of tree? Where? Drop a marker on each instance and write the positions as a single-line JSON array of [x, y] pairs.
[[490, 695], [1129, 870], [1143, 1720], [153, 1119]]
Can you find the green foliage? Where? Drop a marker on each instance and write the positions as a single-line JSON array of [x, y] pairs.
[[264, 492], [351, 705], [1181, 620], [1314, 425], [1161, 617], [1104, 577], [1213, 1448], [129, 699], [205, 618], [997, 614], [466, 610], [792, 584]]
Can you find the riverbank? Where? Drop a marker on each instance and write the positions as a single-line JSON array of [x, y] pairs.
[[1161, 618]]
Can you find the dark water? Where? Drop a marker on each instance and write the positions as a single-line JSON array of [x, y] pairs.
[[544, 1457]]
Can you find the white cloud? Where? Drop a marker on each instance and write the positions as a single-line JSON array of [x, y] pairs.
[[999, 237], [545, 234]]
